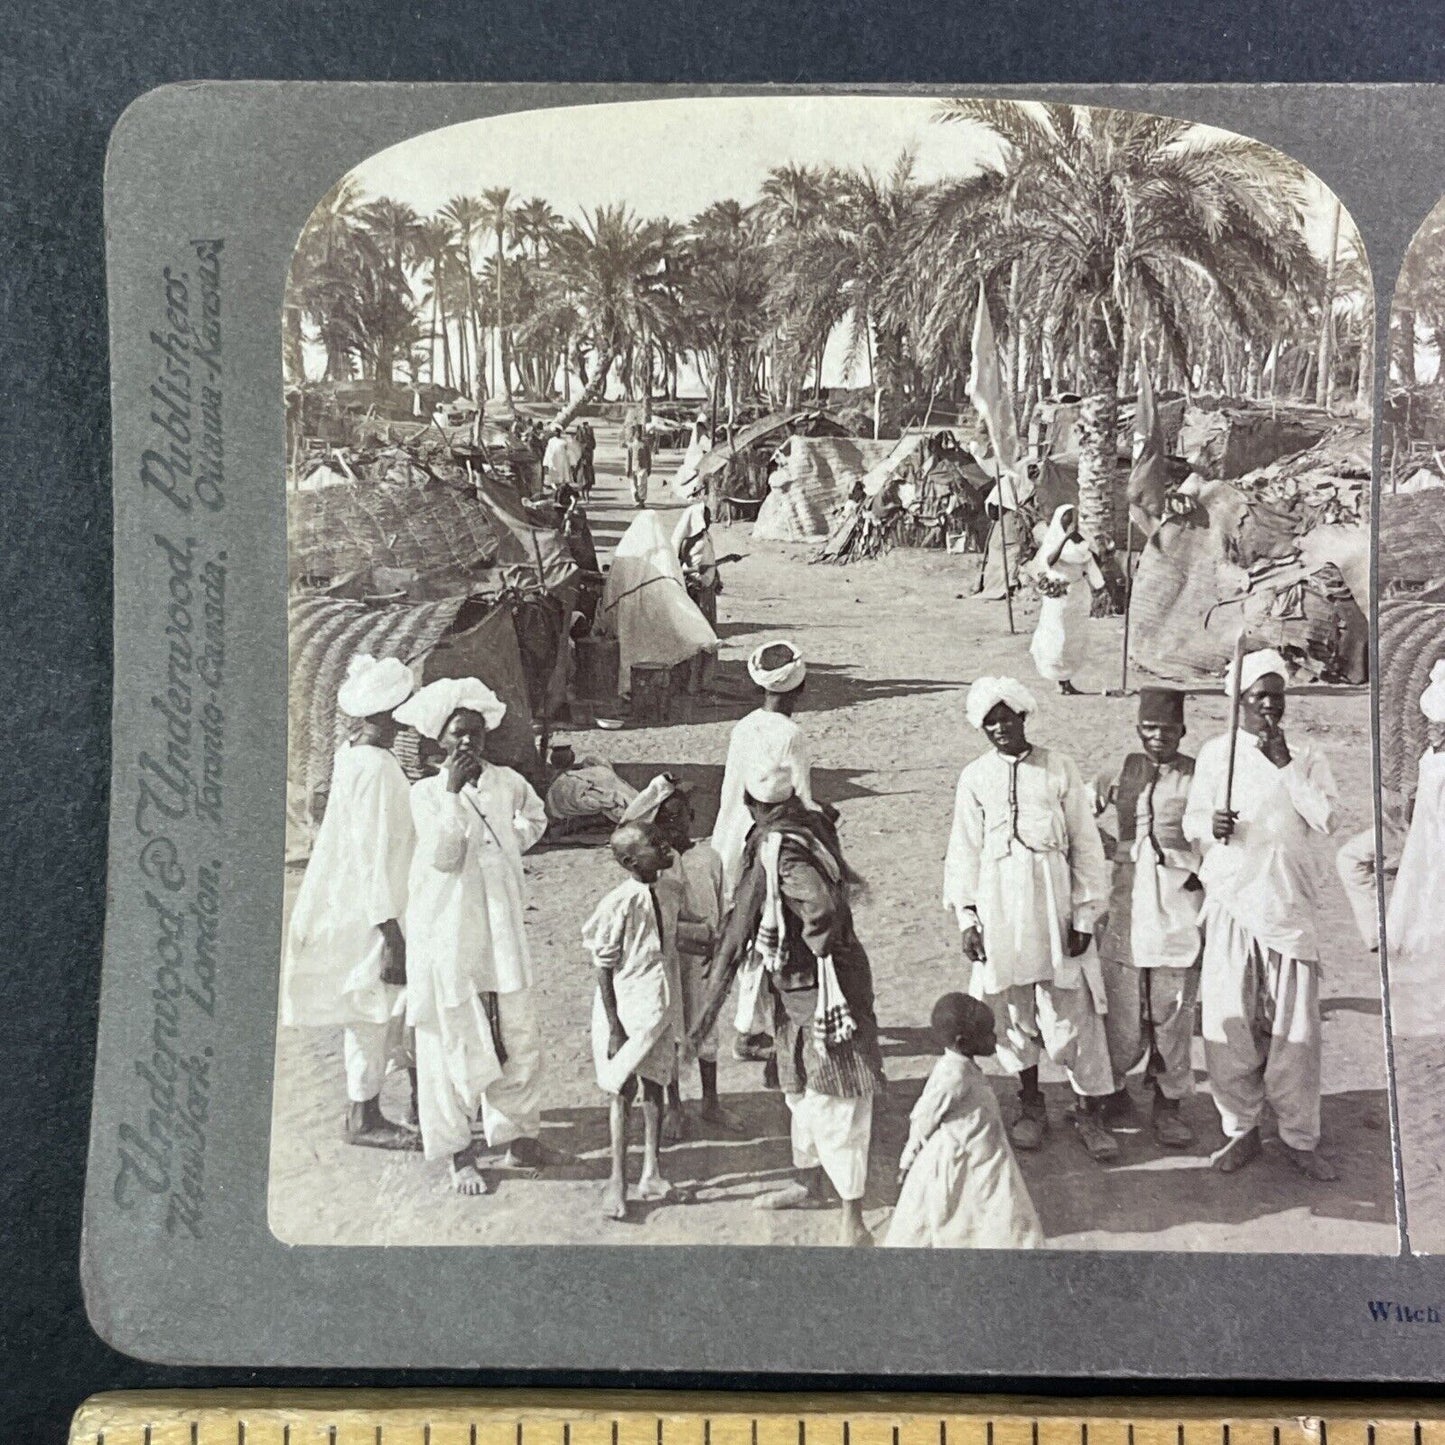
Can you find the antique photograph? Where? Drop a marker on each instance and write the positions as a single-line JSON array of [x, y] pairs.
[[830, 689], [1411, 579]]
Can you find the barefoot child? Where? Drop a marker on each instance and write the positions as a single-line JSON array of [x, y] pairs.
[[697, 878], [961, 1185], [634, 1029]]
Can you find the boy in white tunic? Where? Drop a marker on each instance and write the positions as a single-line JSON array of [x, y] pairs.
[[636, 1007], [766, 738], [960, 1185], [469, 994], [1150, 948], [1026, 877], [1263, 874], [696, 876], [345, 951]]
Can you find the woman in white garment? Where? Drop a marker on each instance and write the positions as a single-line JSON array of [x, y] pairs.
[[692, 541], [685, 482], [469, 978], [1414, 922], [1068, 577], [645, 604], [345, 961]]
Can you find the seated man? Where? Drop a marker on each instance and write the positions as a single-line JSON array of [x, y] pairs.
[[584, 790]]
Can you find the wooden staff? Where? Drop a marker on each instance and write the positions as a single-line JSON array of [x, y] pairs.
[[1008, 592], [1128, 601], [1236, 670]]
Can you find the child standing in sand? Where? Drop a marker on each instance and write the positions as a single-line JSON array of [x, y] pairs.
[[961, 1185], [634, 1023]]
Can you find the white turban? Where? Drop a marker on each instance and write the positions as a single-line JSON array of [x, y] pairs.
[[429, 710], [769, 784], [787, 678], [1254, 666], [1432, 700], [374, 685], [987, 692], [643, 808]]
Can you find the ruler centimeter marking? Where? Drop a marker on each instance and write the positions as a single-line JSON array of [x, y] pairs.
[[558, 1418]]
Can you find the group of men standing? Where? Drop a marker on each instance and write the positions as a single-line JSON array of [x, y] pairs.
[[409, 925], [1215, 896]]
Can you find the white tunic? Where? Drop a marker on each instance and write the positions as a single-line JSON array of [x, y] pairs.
[[465, 932], [759, 741], [964, 1188], [1025, 862], [1270, 876], [630, 935], [356, 880], [1415, 919]]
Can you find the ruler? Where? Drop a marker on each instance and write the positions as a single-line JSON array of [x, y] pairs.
[[401, 1417]]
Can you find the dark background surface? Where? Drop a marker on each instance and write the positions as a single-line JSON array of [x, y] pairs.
[[66, 75]]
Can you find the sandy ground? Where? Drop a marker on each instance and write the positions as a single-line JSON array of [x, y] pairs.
[[1420, 1085], [891, 646]]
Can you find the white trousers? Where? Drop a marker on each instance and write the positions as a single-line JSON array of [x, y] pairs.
[[368, 1049], [1261, 1033], [1355, 863], [511, 1108], [833, 1134], [1034, 1020]]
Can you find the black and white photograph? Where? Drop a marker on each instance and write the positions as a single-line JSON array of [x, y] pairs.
[[1411, 613], [829, 692]]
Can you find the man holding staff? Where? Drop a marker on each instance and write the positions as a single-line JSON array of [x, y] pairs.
[[1260, 806]]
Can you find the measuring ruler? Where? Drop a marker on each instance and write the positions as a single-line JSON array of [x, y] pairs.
[[405, 1417]]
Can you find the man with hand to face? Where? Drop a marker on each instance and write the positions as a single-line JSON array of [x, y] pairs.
[[469, 976], [1263, 875], [1026, 877]]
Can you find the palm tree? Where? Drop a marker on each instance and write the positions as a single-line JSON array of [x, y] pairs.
[[535, 222], [332, 239], [436, 247], [466, 215], [399, 237], [1419, 307], [612, 266], [496, 212], [1107, 215]]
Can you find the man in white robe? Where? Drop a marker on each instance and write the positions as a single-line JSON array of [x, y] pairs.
[[765, 739], [556, 460], [1415, 920], [345, 960], [1026, 877], [469, 996], [1263, 874]]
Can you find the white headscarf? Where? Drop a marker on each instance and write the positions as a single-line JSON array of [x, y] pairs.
[[787, 678], [374, 685], [1432, 700], [643, 808], [987, 692], [429, 710], [1254, 666]]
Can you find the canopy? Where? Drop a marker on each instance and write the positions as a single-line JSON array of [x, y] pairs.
[[778, 425], [816, 478]]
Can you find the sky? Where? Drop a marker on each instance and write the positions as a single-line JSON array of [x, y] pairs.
[[675, 157]]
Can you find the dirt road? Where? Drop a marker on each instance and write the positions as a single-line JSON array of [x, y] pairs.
[[891, 646]]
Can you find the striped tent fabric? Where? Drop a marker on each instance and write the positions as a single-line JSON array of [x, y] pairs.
[[325, 634], [1412, 539], [1412, 640], [817, 477]]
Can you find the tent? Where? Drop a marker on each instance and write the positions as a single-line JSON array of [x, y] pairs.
[[816, 477], [1412, 637], [1295, 584], [371, 539], [1412, 542], [770, 430]]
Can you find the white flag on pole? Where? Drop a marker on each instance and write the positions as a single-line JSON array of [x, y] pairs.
[[994, 399]]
